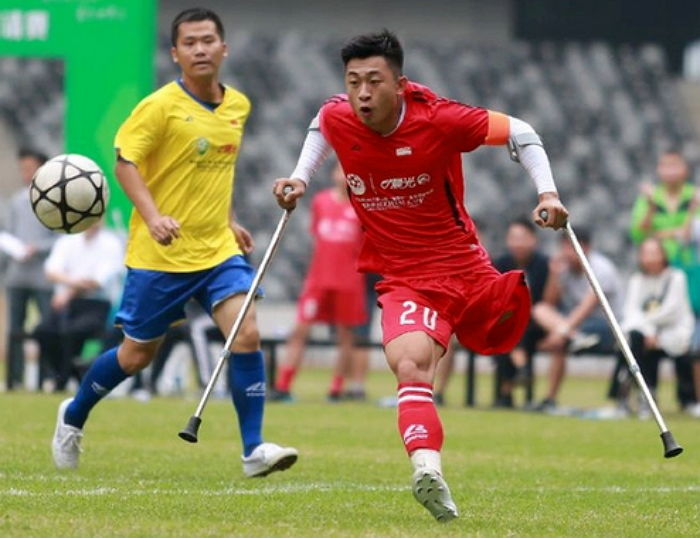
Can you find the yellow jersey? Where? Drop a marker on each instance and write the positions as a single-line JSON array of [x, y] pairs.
[[186, 153]]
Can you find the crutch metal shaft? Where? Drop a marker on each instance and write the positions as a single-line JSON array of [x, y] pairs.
[[671, 448], [189, 433]]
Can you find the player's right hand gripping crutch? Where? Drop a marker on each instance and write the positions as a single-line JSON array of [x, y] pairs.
[[671, 447], [190, 431]]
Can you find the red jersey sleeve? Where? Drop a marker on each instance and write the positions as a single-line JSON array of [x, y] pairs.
[[466, 127]]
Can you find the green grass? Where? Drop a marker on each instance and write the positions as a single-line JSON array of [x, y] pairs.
[[511, 473]]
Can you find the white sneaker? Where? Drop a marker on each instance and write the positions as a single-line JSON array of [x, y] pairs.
[[268, 458], [430, 490], [583, 341], [66, 441]]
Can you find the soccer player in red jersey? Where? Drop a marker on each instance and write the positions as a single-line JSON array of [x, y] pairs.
[[334, 291], [400, 144]]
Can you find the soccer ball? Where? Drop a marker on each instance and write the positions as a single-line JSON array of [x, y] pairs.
[[69, 193]]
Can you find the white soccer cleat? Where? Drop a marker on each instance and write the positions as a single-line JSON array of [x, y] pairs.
[[430, 490], [268, 458], [66, 441]]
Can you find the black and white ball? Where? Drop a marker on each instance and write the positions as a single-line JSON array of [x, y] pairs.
[[69, 193]]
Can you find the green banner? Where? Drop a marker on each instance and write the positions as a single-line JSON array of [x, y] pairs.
[[108, 48]]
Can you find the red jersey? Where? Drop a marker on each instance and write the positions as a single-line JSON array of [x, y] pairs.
[[337, 241], [407, 187]]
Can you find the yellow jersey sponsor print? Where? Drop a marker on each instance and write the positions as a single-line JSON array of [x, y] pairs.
[[186, 153]]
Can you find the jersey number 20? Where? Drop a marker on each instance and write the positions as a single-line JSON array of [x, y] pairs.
[[429, 315]]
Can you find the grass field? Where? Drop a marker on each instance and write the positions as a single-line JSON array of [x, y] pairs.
[[511, 473]]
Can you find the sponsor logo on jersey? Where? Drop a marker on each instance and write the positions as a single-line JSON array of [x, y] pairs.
[[357, 186], [415, 431], [399, 183], [227, 148], [202, 145], [401, 152]]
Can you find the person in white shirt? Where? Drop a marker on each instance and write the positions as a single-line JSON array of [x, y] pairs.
[[657, 317], [85, 269]]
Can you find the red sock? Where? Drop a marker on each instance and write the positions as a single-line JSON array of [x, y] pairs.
[[337, 384], [286, 376], [419, 424]]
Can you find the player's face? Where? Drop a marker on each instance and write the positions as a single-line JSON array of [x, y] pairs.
[[651, 257], [199, 49], [672, 169], [520, 242], [27, 168], [375, 92]]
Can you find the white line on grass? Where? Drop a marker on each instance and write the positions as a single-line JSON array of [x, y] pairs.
[[301, 488]]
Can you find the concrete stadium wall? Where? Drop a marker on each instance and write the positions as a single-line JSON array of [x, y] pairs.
[[485, 21]]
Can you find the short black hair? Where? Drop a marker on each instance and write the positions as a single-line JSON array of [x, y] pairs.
[[383, 43], [195, 14], [29, 153], [525, 222]]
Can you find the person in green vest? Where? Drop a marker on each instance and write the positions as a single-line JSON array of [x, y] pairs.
[[663, 210]]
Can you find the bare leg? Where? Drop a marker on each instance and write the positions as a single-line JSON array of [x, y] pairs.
[[557, 369], [343, 364], [413, 358], [443, 373]]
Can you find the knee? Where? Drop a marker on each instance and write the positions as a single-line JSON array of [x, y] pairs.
[[248, 337], [410, 367], [135, 359]]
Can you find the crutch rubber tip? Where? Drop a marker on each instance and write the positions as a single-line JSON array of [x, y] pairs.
[[671, 448], [189, 434]]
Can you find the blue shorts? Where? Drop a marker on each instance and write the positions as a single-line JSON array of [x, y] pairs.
[[155, 300]]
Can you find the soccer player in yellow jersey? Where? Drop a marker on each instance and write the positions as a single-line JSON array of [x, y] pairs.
[[175, 161]]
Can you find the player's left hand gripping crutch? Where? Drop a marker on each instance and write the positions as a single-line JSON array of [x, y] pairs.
[[671, 447], [190, 431]]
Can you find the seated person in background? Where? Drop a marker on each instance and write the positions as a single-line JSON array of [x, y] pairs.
[[521, 243], [85, 269], [656, 318], [569, 312], [334, 291]]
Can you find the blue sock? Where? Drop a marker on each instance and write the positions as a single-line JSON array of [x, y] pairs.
[[104, 374], [246, 377]]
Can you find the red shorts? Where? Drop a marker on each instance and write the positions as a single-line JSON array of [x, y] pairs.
[[322, 305], [487, 310]]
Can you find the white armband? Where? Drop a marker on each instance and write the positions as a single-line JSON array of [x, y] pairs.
[[526, 147], [313, 153]]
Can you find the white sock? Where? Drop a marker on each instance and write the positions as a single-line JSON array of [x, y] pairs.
[[426, 458]]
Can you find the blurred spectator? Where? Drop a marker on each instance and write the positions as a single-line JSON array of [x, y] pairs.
[[363, 336], [85, 268], [28, 243], [663, 210], [693, 273], [658, 321], [333, 292], [569, 312], [521, 243]]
